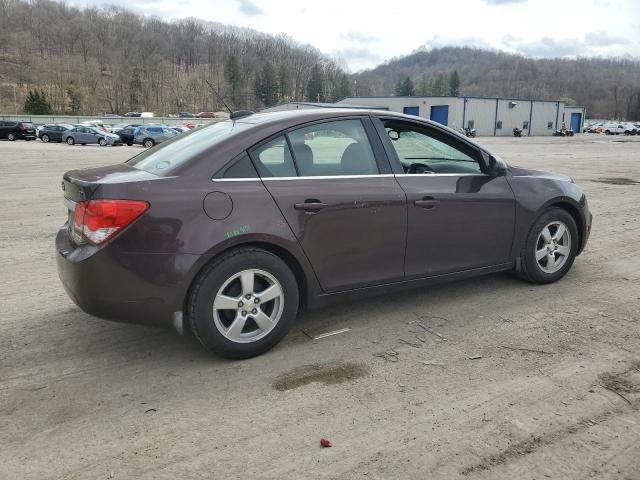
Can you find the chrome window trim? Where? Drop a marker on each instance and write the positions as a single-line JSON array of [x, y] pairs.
[[337, 177]]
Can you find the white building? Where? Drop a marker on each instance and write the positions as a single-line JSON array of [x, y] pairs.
[[489, 116]]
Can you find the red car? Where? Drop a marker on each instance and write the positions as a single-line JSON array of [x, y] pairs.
[[206, 115]]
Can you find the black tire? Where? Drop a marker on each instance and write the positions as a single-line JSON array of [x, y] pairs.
[[70, 141], [213, 277], [129, 144], [45, 138], [148, 142], [11, 137], [102, 142], [527, 267]]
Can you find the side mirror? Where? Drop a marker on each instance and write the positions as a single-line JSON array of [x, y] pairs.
[[496, 168], [394, 134]]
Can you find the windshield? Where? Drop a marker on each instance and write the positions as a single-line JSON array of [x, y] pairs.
[[179, 149]]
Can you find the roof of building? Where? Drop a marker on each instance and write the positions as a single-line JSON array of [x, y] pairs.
[[450, 96]]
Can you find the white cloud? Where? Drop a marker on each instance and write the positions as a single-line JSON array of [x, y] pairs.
[[249, 8]]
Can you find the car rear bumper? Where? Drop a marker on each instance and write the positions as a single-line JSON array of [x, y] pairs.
[[128, 287]]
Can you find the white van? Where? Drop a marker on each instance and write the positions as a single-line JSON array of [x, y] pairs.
[[146, 115]]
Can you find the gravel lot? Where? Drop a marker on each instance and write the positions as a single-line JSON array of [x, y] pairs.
[[508, 380]]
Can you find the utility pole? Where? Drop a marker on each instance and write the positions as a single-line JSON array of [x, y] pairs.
[[355, 87], [318, 98], [15, 99]]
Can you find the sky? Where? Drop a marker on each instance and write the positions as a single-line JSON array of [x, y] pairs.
[[363, 34]]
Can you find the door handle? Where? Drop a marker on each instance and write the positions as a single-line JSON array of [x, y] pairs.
[[310, 205], [427, 203]]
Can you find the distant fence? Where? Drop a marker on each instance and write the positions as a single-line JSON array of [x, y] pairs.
[[107, 120]]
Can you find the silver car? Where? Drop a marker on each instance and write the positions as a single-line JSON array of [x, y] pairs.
[[149, 135], [89, 135]]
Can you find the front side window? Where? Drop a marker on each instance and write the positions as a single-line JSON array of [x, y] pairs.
[[423, 151], [333, 148]]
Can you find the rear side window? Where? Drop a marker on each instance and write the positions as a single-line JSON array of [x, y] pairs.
[[274, 159], [179, 149], [333, 148]]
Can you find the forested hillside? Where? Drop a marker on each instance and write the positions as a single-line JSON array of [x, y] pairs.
[[608, 88], [89, 61]]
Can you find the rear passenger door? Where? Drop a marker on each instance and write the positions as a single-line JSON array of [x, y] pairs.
[[335, 188]]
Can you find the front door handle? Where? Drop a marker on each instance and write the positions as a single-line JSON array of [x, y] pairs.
[[310, 205], [427, 203]]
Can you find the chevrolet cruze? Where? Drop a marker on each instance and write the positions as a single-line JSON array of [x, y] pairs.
[[232, 229]]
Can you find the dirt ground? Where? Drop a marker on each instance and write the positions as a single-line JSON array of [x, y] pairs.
[[485, 378]]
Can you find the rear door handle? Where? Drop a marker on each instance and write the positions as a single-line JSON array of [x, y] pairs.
[[427, 203], [310, 205]]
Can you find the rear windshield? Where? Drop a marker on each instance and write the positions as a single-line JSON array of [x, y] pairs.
[[167, 155]]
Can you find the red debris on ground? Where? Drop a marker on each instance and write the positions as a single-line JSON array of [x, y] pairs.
[[324, 442]]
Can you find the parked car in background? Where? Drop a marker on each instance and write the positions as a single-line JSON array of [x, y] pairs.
[[132, 114], [127, 134], [206, 115], [85, 135], [150, 135], [294, 220], [630, 129], [186, 115], [53, 132], [613, 128], [99, 124], [179, 129], [17, 130]]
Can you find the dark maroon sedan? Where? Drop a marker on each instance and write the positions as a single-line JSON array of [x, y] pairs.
[[232, 229]]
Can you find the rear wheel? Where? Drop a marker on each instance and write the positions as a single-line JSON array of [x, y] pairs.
[[243, 303], [550, 248], [11, 137], [70, 140], [45, 138], [148, 143]]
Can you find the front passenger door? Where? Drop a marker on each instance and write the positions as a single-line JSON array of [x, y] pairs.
[[459, 217]]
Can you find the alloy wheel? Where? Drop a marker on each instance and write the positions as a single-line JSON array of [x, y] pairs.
[[553, 247], [45, 138], [248, 306]]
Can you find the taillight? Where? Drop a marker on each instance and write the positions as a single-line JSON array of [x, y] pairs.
[[99, 220]]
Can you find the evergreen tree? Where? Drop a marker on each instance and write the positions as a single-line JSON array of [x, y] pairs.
[[36, 103], [233, 76], [267, 90], [425, 87], [343, 88], [284, 83], [405, 88], [75, 98], [314, 87], [439, 87], [454, 84]]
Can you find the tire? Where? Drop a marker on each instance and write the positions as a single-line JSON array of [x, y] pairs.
[[102, 142], [148, 143], [70, 141], [45, 138], [11, 137], [211, 322], [533, 267], [129, 144]]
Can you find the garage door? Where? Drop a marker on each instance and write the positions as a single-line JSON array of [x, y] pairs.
[[411, 111], [440, 114]]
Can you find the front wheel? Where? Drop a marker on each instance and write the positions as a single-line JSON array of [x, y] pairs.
[[70, 141], [243, 303], [102, 142], [550, 248]]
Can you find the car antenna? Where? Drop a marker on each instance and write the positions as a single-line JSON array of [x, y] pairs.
[[218, 96], [232, 114]]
